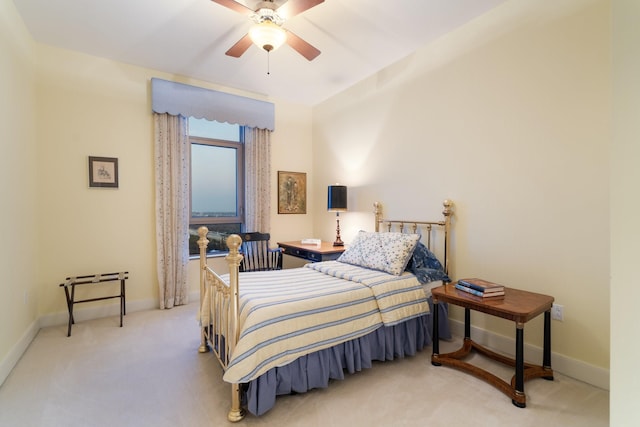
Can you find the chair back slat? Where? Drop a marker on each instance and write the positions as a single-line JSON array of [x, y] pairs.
[[258, 256]]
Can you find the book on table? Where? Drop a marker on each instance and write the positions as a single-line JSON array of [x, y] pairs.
[[494, 294], [483, 294], [481, 285]]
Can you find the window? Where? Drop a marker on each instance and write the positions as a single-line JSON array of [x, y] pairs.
[[217, 182]]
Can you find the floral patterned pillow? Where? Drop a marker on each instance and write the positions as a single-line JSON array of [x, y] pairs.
[[388, 252]]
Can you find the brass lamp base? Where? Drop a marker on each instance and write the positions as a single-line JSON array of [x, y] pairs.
[[338, 241]]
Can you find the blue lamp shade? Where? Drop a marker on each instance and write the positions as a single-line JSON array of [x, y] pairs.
[[337, 198]]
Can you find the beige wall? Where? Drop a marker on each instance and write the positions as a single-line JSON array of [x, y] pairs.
[[59, 107], [18, 174], [625, 205], [509, 116], [90, 106], [94, 106]]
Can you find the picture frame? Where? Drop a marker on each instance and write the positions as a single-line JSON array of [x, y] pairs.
[[292, 192], [103, 172]]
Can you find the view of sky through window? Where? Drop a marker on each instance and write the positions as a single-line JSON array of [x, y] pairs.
[[213, 169], [213, 180]]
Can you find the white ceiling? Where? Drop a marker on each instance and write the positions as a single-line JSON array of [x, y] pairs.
[[189, 38]]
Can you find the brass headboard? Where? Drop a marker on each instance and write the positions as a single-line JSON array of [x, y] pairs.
[[410, 226]]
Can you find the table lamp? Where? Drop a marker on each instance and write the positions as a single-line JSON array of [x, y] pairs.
[[337, 202]]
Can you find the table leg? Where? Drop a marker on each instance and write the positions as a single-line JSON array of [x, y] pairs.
[[519, 364], [436, 333], [546, 349], [467, 323]]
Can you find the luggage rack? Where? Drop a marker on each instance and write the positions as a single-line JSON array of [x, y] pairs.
[[72, 282]]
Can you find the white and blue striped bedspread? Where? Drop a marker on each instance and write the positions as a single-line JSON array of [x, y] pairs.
[[399, 298], [286, 314]]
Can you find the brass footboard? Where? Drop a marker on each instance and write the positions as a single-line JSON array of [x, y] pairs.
[[219, 321]]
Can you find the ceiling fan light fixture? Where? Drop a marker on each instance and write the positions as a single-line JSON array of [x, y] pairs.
[[267, 35]]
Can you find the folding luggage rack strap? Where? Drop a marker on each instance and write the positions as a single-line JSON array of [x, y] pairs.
[[72, 282]]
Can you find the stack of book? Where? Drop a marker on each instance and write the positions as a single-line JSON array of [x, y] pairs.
[[480, 288]]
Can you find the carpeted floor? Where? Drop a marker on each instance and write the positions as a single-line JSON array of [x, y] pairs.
[[149, 373]]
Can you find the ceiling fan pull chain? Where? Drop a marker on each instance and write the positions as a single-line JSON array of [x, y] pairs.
[[268, 73]]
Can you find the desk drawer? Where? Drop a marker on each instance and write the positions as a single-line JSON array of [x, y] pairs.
[[312, 253], [301, 253]]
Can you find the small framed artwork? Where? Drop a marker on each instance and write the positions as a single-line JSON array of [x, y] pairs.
[[292, 192], [103, 172]]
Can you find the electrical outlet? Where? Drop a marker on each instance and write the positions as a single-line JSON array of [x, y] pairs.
[[557, 312]]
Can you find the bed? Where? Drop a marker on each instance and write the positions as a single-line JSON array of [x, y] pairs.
[[293, 330]]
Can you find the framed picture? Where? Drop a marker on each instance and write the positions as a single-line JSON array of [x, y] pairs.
[[103, 172], [292, 192]]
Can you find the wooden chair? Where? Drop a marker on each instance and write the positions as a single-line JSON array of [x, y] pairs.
[[257, 255]]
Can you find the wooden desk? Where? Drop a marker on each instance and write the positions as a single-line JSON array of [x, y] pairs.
[[325, 252], [518, 306]]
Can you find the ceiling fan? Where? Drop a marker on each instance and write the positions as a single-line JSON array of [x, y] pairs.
[[267, 32]]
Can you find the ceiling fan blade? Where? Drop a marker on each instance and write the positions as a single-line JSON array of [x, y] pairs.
[[301, 46], [234, 5], [294, 7], [240, 47]]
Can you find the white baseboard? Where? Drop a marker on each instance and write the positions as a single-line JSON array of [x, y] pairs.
[[574, 368], [18, 350], [568, 366], [81, 313]]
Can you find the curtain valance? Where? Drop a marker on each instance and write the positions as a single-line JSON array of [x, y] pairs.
[[182, 99]]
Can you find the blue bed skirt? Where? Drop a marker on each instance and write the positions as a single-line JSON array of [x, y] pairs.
[[316, 369]]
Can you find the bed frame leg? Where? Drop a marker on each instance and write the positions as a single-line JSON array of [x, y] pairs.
[[204, 348], [236, 413]]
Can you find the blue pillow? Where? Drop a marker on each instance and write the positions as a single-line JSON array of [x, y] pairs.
[[426, 266], [428, 275]]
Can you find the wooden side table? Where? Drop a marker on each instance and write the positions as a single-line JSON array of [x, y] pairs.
[[518, 306], [314, 253]]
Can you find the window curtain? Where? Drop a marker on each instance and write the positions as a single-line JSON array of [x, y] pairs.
[[257, 151], [172, 168]]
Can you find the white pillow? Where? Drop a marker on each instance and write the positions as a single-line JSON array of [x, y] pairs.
[[389, 252]]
